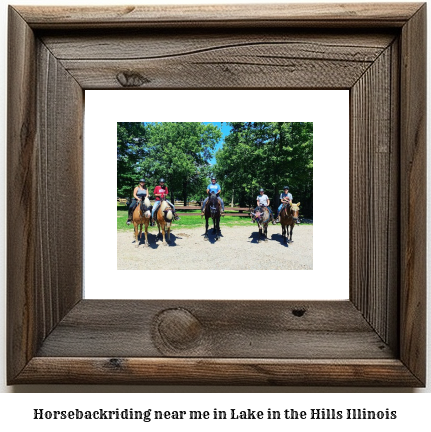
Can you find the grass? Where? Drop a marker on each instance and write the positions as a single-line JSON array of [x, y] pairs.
[[192, 221]]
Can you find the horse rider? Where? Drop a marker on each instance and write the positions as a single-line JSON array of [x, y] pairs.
[[285, 197], [139, 194], [263, 201], [160, 190], [213, 187]]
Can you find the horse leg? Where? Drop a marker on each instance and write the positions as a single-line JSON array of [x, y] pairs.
[[159, 235], [291, 229], [146, 234], [266, 232], [206, 229], [260, 233], [163, 232], [135, 226]]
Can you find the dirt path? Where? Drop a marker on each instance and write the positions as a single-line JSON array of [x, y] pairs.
[[238, 249]]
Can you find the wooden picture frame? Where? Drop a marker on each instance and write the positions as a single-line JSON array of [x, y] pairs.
[[376, 338]]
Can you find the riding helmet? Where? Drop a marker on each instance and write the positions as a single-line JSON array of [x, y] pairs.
[[286, 187], [142, 181], [261, 190], [162, 180]]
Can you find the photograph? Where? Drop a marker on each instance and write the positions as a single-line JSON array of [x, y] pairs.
[[219, 195], [366, 203]]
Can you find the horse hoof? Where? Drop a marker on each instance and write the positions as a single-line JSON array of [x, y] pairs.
[[165, 244], [266, 240], [206, 238]]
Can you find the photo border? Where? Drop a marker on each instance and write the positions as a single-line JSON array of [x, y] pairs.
[[376, 338]]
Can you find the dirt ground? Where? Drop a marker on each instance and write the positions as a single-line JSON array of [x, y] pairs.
[[238, 249]]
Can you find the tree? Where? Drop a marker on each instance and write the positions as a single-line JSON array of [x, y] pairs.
[[130, 150], [179, 152], [268, 155]]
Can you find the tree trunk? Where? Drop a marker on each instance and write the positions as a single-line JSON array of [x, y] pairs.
[[275, 198], [185, 193]]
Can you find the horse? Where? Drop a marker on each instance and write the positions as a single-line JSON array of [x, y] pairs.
[[212, 210], [164, 218], [288, 218], [141, 216], [262, 217]]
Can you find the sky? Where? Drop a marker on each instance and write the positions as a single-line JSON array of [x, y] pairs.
[[225, 129]]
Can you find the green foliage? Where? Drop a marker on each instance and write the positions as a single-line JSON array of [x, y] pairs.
[[254, 155], [268, 155], [131, 138], [179, 152]]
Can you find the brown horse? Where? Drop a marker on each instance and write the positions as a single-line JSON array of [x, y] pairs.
[[141, 216], [288, 218], [164, 218]]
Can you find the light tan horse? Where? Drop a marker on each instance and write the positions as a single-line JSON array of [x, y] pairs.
[[164, 218], [141, 216], [288, 218]]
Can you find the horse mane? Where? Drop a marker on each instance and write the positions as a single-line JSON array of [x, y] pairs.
[[213, 198], [295, 206], [166, 208]]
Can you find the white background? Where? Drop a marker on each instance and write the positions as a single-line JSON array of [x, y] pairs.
[[16, 409], [329, 279]]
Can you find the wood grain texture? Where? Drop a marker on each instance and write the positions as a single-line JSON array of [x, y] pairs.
[[59, 184], [413, 194], [21, 195], [44, 193], [374, 202], [300, 14], [150, 44], [227, 329], [207, 60], [197, 371], [377, 338]]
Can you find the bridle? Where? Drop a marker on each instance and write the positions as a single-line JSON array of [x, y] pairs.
[[258, 216], [295, 212], [165, 211], [143, 208], [213, 204]]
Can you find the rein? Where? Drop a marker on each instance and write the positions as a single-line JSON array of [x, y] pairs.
[[213, 205], [259, 215]]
